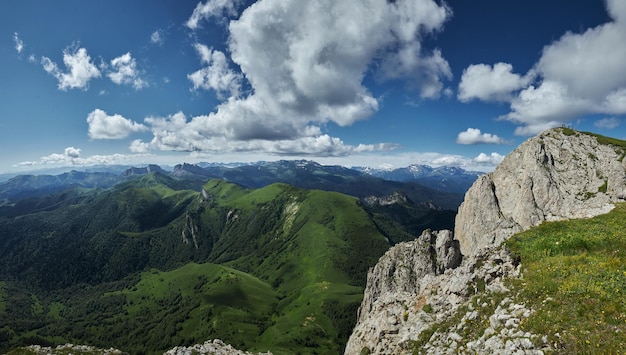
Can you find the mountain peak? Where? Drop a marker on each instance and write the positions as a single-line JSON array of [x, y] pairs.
[[558, 174], [142, 171]]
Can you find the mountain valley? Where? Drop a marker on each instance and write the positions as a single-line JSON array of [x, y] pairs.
[[148, 260]]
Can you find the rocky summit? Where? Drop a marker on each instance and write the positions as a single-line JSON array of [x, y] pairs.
[[558, 174], [430, 295]]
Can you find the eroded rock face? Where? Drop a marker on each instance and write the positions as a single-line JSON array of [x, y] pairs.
[[415, 286], [559, 174], [406, 294], [398, 288]]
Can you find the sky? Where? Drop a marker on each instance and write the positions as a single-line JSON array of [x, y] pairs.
[[376, 83]]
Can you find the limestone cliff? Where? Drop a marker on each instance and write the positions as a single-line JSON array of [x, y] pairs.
[[559, 174], [413, 302]]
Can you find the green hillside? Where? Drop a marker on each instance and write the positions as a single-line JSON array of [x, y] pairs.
[[151, 264]]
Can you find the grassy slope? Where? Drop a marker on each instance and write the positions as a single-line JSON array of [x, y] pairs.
[[575, 279], [189, 305], [316, 258]]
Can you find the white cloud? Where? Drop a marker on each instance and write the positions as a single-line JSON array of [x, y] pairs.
[[482, 162], [176, 133], [497, 83], [216, 75], [157, 37], [492, 159], [103, 126], [475, 136], [71, 159], [19, 44], [138, 146], [406, 21], [607, 123], [80, 69], [546, 106], [580, 73], [212, 8], [124, 71], [72, 152], [306, 61]]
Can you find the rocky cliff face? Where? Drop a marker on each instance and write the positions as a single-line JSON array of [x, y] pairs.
[[559, 174], [412, 300]]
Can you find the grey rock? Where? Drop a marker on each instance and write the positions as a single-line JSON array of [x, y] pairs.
[[553, 176], [213, 347]]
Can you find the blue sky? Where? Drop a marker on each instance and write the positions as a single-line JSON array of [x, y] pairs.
[[351, 82]]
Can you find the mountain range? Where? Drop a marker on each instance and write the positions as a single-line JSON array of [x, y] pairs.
[[444, 178], [265, 256]]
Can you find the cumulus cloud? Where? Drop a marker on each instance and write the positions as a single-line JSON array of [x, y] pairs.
[[80, 69], [177, 133], [19, 44], [492, 159], [216, 75], [487, 83], [124, 71], [309, 59], [157, 37], [580, 73], [103, 126], [72, 152], [70, 158], [607, 123], [212, 8], [545, 106], [475, 136]]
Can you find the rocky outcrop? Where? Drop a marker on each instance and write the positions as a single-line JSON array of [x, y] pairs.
[[395, 198], [409, 291], [190, 229], [189, 170], [413, 300], [151, 168], [397, 300], [559, 174], [212, 347], [67, 349]]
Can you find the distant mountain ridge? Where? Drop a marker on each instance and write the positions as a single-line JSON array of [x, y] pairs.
[[142, 171], [23, 186], [439, 187], [444, 178], [450, 184]]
